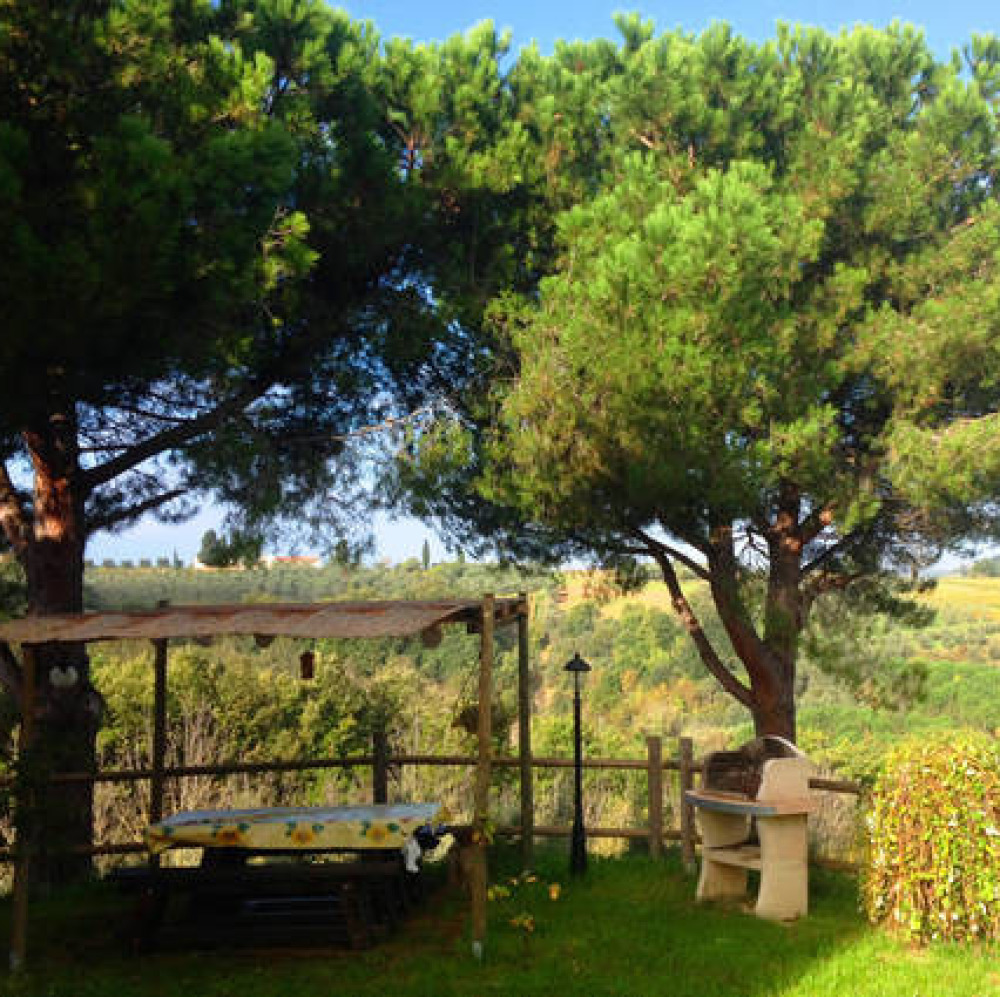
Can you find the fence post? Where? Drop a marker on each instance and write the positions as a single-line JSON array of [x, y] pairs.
[[524, 697], [686, 766], [380, 766], [654, 755]]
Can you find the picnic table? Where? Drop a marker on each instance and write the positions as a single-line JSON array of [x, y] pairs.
[[277, 875], [379, 827]]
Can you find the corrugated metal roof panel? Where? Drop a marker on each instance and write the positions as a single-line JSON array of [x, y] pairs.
[[314, 620]]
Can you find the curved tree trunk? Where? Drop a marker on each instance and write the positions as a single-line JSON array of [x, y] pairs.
[[772, 688], [769, 659], [784, 617], [53, 559]]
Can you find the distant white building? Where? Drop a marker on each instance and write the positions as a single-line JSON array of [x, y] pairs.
[[291, 561]]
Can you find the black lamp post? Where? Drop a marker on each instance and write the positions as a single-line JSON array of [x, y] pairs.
[[578, 842]]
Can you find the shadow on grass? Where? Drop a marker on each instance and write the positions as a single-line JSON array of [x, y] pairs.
[[630, 927]]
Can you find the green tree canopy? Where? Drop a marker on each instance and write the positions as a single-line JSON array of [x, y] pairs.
[[236, 548], [211, 272], [780, 275], [209, 261]]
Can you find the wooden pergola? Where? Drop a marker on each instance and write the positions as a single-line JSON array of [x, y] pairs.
[[310, 621]]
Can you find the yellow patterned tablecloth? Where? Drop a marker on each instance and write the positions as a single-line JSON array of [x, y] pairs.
[[305, 828]]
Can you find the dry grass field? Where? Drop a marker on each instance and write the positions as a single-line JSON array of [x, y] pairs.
[[958, 596], [584, 585]]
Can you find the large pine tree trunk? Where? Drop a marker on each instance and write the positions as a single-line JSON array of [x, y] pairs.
[[783, 619], [768, 654], [67, 728], [772, 689], [774, 712], [769, 694]]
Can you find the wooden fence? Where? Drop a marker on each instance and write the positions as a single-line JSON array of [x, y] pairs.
[[380, 761]]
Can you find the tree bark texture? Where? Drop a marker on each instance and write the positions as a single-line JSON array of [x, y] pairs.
[[767, 652], [50, 547], [48, 532]]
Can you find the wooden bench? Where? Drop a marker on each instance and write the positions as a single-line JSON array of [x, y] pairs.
[[274, 903]]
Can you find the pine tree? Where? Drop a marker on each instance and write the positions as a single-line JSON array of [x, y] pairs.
[[206, 267], [770, 322]]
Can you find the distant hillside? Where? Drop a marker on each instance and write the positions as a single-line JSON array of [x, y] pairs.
[[144, 587], [864, 681]]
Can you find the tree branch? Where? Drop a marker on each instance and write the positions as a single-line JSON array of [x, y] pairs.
[[672, 552], [820, 559], [830, 583], [133, 512], [757, 658], [817, 521], [708, 654], [168, 439], [13, 518]]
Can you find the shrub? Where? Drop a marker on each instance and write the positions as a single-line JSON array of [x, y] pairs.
[[933, 868]]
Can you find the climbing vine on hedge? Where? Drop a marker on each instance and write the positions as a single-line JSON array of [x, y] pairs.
[[933, 868]]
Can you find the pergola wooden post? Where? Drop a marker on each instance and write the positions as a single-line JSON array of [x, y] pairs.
[[480, 819], [524, 695], [159, 752], [22, 861]]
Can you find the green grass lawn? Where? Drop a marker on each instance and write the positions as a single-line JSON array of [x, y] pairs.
[[631, 927]]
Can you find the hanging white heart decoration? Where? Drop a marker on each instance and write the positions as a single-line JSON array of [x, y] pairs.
[[63, 678]]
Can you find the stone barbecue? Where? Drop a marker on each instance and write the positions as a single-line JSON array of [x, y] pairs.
[[752, 810]]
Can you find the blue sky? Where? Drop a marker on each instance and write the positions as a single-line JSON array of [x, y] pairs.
[[946, 26], [396, 539]]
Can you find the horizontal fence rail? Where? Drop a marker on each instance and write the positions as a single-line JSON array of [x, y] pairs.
[[654, 765], [368, 761], [355, 761]]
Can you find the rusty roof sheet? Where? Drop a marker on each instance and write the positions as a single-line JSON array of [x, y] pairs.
[[313, 620]]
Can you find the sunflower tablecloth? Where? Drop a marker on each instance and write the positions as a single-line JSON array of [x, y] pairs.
[[305, 828]]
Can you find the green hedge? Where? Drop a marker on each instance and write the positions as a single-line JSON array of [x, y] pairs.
[[933, 868]]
